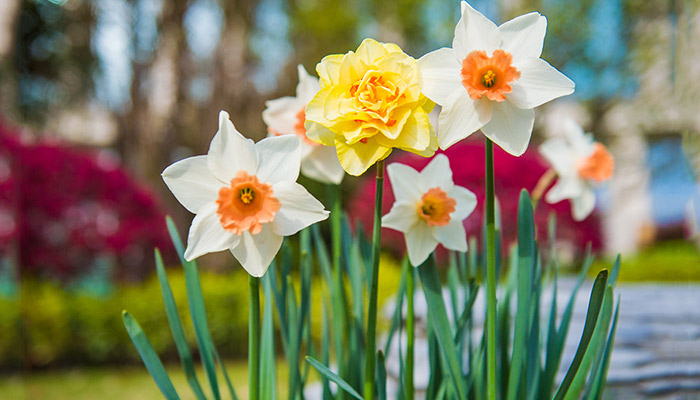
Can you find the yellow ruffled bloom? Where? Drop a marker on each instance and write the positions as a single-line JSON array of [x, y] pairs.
[[370, 102]]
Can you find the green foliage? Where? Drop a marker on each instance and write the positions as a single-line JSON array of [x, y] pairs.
[[529, 355], [54, 326], [671, 261]]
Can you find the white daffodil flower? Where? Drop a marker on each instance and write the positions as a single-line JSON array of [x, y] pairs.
[[429, 208], [491, 79], [244, 195], [581, 164], [286, 116]]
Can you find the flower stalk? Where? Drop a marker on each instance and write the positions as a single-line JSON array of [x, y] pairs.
[[254, 339], [372, 310], [490, 275], [410, 330]]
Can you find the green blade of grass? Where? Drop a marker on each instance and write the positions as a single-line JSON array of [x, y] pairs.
[[197, 310], [594, 305], [178, 333], [149, 357], [381, 376], [325, 371]]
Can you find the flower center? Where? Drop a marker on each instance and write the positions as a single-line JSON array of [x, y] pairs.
[[300, 130], [435, 207], [598, 166], [488, 76], [246, 204], [376, 94]]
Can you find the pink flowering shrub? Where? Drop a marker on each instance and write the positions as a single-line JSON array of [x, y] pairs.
[[467, 160], [64, 208]]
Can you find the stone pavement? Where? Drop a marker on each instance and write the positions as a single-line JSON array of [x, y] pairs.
[[657, 349]]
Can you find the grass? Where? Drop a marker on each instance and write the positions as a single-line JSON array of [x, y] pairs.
[[118, 383], [669, 261]]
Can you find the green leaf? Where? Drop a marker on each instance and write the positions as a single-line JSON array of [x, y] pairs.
[[149, 357], [594, 305], [397, 318], [595, 348], [197, 310], [325, 371], [438, 316], [598, 386], [178, 333], [381, 375], [526, 270]]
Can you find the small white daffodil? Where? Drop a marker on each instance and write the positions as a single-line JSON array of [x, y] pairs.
[[286, 116], [491, 79], [581, 164], [429, 208], [244, 195]]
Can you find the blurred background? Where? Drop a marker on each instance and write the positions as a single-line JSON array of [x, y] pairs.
[[98, 97]]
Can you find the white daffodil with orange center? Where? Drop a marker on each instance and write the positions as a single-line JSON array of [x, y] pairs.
[[581, 164], [429, 208], [287, 115], [369, 103], [244, 195], [491, 79]]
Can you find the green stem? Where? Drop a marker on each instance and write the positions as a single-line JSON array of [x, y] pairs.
[[254, 339], [490, 275], [410, 330], [372, 310], [336, 294]]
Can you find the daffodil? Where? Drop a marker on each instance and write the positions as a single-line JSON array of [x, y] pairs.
[[369, 103], [581, 165], [286, 116], [491, 79], [244, 195], [429, 208]]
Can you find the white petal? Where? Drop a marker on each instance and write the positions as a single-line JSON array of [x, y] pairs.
[[466, 202], [280, 116], [539, 83], [230, 152], [452, 235], [405, 182], [510, 127], [402, 217], [437, 174], [206, 234], [523, 36], [567, 187], [299, 209], [192, 182], [420, 243], [308, 85], [256, 252], [440, 71], [322, 165], [558, 152], [460, 117], [475, 32], [582, 145], [583, 205], [280, 158]]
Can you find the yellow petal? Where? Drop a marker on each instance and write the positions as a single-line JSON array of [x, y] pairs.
[[370, 51], [358, 157], [415, 135], [319, 133], [328, 69]]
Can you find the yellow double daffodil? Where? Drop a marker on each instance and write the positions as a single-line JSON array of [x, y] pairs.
[[369, 103]]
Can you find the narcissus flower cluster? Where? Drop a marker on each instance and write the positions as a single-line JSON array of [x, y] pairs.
[[370, 102], [244, 195], [429, 208], [581, 164]]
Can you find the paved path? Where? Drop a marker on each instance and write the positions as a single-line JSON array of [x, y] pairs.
[[657, 351]]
